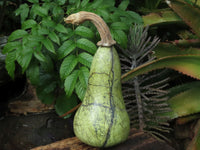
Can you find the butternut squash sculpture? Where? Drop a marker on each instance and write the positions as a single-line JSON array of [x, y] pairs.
[[101, 120]]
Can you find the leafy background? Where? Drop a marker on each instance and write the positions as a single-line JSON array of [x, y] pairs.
[[160, 75]]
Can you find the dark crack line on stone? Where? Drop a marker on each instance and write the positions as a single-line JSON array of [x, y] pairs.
[[112, 108], [96, 104]]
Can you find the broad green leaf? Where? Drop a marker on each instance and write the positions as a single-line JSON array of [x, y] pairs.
[[66, 48], [10, 63], [61, 2], [64, 104], [182, 88], [85, 59], [120, 37], [167, 49], [84, 32], [51, 87], [46, 98], [96, 4], [134, 17], [11, 46], [83, 76], [40, 11], [47, 66], [84, 3], [28, 24], [123, 5], [61, 28], [34, 1], [188, 13], [67, 66], [53, 36], [33, 73], [39, 56], [42, 30], [80, 90], [23, 11], [70, 82], [186, 64], [45, 80], [48, 22], [119, 26], [49, 45], [17, 34], [162, 17], [185, 103], [24, 58], [86, 45], [58, 11]]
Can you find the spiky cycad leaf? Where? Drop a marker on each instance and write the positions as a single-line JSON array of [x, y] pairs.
[[187, 12], [186, 64], [144, 95], [162, 17]]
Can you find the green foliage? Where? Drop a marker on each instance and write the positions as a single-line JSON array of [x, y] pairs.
[[56, 57]]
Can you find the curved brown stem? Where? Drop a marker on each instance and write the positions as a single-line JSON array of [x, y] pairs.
[[80, 17]]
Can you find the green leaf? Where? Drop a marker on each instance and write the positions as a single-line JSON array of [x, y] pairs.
[[10, 63], [17, 34], [185, 103], [134, 17], [49, 45], [123, 5], [86, 45], [67, 66], [61, 28], [66, 48], [188, 13], [58, 11], [46, 98], [48, 22], [33, 73], [24, 58], [85, 59], [39, 56], [70, 82], [168, 49], [80, 90], [28, 24], [40, 11], [42, 30], [84, 32], [64, 104], [11, 46], [34, 1], [161, 17], [119, 26], [51, 87], [47, 66], [83, 76], [96, 4], [61, 2], [84, 3], [186, 64], [23, 11], [120, 37], [53, 36]]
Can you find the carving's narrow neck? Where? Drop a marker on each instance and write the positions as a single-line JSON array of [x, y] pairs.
[[80, 17]]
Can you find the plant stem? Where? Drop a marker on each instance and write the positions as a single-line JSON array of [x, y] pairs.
[[80, 17]]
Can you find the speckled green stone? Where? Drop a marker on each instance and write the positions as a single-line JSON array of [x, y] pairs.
[[102, 120]]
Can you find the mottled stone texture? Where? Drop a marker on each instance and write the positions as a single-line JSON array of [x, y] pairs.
[[102, 120]]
